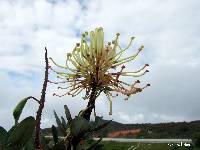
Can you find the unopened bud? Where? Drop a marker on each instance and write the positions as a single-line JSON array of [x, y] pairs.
[[146, 64], [148, 84]]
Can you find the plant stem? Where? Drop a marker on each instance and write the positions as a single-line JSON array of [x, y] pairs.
[[91, 103], [41, 106]]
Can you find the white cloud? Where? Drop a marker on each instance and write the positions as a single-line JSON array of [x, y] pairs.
[[125, 118]]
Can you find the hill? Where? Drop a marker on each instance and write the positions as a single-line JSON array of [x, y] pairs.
[[148, 130]]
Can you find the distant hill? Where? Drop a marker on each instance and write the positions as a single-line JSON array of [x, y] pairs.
[[148, 130]]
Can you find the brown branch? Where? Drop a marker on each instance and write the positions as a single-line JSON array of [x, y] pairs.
[[42, 100]]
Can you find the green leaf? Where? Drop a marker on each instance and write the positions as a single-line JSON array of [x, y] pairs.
[[55, 134], [21, 133], [94, 145], [59, 123], [103, 125], [3, 135], [30, 144], [18, 109], [79, 126], [64, 123], [67, 113]]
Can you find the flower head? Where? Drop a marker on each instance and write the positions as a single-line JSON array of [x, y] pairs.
[[91, 64]]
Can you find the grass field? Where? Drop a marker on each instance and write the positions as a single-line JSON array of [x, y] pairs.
[[142, 146]]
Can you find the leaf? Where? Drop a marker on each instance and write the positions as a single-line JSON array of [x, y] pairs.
[[94, 145], [12, 129], [64, 123], [59, 123], [103, 125], [3, 135], [67, 113], [21, 133], [79, 126], [55, 134], [30, 144], [18, 109]]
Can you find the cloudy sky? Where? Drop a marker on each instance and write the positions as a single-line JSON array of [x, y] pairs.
[[169, 30]]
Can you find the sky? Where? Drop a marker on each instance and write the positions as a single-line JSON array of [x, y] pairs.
[[168, 29]]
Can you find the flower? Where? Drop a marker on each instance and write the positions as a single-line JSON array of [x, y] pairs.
[[91, 63]]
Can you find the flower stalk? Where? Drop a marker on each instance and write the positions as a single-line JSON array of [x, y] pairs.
[[41, 105]]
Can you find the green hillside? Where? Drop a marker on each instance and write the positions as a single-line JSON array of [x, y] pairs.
[[159, 130]]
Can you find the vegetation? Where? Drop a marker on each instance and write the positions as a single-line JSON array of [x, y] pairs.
[[196, 139], [160, 130], [143, 146], [19, 136]]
